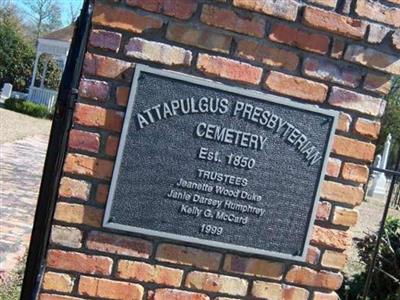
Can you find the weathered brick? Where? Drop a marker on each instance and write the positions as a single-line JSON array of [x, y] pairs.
[[66, 236], [112, 145], [94, 89], [296, 86], [88, 166], [377, 83], [172, 294], [313, 255], [106, 40], [324, 296], [254, 267], [276, 291], [118, 244], [331, 238], [122, 95], [309, 277], [124, 19], [327, 3], [291, 36], [284, 9], [149, 5], [355, 172], [334, 259], [79, 262], [335, 23], [378, 12], [367, 128], [325, 70], [73, 188], [228, 69], [352, 148], [57, 282], [323, 211], [373, 59], [359, 102], [83, 140], [216, 283], [377, 33], [110, 289], [344, 122], [204, 39], [270, 56], [396, 39], [337, 48], [158, 52], [95, 116], [333, 167], [57, 297], [180, 9], [140, 271], [188, 256], [342, 193], [102, 193], [344, 216], [228, 19], [78, 214], [108, 67], [394, 1]]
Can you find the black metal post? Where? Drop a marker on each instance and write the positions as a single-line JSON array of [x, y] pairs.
[[55, 155], [371, 267]]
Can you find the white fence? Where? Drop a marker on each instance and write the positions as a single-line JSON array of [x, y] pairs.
[[43, 96]]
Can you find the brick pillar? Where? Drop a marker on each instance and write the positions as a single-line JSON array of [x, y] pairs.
[[311, 51]]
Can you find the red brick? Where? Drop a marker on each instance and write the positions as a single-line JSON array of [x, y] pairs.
[[110, 289], [352, 148], [355, 172], [309, 277], [344, 216], [335, 23], [140, 271], [95, 116], [367, 128], [373, 59], [204, 39], [79, 262], [188, 256], [83, 140], [327, 3], [228, 19], [284, 9], [378, 12], [270, 56], [324, 296], [158, 52], [254, 267], [88, 166], [102, 193], [108, 67], [296, 87], [112, 145], [334, 260], [122, 95], [337, 48], [338, 192], [358, 102], [396, 39], [106, 40], [124, 19], [118, 244], [275, 291], [331, 238], [291, 36], [57, 297], [73, 188], [333, 167], [325, 70], [94, 89], [180, 9], [216, 283], [344, 122], [57, 282], [313, 255], [228, 69], [78, 214], [171, 294], [149, 5], [323, 211], [377, 83]]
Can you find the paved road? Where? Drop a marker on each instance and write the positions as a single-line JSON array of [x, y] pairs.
[[21, 164]]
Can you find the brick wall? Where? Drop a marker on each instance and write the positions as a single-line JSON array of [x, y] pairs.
[[338, 54]]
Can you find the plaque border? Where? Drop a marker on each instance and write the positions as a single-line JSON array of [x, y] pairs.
[[140, 68]]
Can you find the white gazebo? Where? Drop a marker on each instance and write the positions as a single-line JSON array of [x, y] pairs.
[[55, 44]]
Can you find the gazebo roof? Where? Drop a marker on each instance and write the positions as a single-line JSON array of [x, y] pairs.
[[63, 34]]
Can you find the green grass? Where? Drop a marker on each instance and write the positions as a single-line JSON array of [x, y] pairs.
[[11, 289]]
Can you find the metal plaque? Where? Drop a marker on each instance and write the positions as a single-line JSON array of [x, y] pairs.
[[211, 164]]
